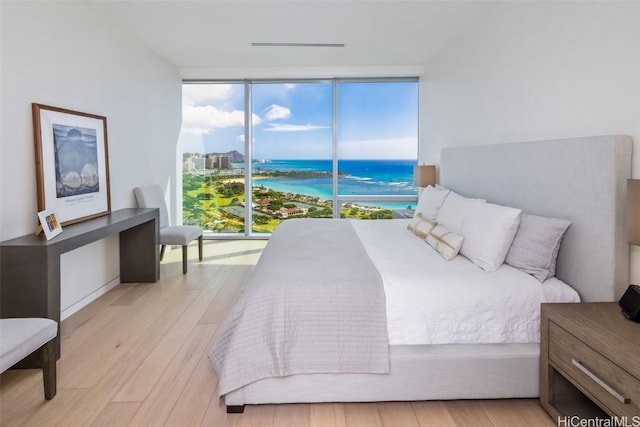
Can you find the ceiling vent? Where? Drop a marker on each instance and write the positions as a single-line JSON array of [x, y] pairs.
[[297, 44]]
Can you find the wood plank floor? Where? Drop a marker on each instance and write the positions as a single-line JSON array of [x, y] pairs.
[[137, 356]]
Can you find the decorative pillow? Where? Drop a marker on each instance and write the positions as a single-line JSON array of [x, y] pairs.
[[488, 232], [419, 226], [445, 242], [536, 245], [453, 211], [430, 202]]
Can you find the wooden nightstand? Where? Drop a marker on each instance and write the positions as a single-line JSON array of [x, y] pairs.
[[589, 362]]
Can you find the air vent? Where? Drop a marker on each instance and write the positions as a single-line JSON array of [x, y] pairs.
[[297, 44]]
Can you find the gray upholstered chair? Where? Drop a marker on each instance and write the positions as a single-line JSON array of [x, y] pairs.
[[150, 196], [19, 337]]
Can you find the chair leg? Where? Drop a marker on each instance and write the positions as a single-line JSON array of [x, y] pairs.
[[200, 247], [48, 357], [162, 248], [184, 259]]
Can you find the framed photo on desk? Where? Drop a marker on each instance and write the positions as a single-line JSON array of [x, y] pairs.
[[49, 223]]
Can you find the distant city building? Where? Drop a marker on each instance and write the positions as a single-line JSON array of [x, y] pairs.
[[198, 163], [218, 162], [188, 165], [286, 212], [224, 162], [211, 162]]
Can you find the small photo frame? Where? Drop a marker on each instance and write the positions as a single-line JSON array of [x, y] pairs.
[[49, 223]]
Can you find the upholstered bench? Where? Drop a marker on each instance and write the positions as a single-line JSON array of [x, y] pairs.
[[19, 337]]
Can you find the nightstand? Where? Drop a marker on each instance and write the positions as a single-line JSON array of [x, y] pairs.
[[589, 362], [402, 213]]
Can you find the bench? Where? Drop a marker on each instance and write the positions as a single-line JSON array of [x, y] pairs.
[[19, 337]]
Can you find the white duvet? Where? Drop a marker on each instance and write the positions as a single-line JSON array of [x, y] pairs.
[[433, 301]]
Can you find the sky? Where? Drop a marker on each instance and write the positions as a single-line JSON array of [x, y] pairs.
[[294, 120]]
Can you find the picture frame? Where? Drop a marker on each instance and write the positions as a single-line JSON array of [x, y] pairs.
[[49, 223], [72, 163]]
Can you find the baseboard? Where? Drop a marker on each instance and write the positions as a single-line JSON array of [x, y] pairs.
[[89, 298]]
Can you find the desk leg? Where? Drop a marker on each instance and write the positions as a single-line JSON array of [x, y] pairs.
[[139, 260]]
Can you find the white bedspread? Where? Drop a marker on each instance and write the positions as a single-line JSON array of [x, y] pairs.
[[433, 301], [314, 304]]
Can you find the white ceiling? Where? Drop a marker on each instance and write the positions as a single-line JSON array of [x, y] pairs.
[[218, 34]]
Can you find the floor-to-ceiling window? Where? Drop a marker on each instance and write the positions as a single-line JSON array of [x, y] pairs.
[[212, 138], [292, 152], [262, 152], [377, 146]]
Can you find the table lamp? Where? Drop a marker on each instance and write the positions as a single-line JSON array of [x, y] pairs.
[[630, 301], [424, 176]]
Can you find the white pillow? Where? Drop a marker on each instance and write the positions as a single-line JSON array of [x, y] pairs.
[[453, 211], [430, 202], [488, 232]]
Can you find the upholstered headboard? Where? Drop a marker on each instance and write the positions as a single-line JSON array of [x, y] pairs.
[[579, 179]]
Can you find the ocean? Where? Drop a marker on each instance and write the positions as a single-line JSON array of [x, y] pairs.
[[358, 177]]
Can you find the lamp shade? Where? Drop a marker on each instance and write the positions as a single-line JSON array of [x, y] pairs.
[[424, 175], [633, 211]]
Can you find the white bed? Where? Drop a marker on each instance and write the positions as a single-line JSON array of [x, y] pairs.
[[549, 178], [433, 301]]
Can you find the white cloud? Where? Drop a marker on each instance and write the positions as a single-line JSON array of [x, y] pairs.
[[198, 94], [283, 127], [275, 112], [241, 137], [204, 119], [289, 86]]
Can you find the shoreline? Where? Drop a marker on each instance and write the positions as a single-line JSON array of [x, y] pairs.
[[218, 204], [314, 193]]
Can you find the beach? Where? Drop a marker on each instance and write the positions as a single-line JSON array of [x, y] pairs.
[[284, 189]]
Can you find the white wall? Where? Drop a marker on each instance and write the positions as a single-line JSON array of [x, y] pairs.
[[531, 71], [64, 54]]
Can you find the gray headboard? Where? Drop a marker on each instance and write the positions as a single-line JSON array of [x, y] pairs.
[[579, 179]]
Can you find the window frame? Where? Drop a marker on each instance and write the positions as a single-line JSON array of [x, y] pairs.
[[337, 199]]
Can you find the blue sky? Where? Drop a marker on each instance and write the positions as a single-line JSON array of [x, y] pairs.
[[293, 121]]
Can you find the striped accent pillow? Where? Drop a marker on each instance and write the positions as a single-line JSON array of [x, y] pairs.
[[445, 242], [420, 226]]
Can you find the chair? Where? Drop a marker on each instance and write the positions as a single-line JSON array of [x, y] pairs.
[[19, 337], [150, 196]]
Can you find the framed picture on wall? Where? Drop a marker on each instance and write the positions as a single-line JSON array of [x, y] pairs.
[[72, 163]]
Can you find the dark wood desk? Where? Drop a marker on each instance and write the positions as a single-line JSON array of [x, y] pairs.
[[30, 265]]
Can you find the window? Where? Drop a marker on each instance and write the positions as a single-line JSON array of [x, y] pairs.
[[330, 148], [292, 152], [212, 138], [377, 146]]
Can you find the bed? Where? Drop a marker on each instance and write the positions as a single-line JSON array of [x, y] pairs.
[[582, 180]]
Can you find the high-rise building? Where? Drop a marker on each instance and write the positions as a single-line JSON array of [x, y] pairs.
[[198, 163], [218, 162]]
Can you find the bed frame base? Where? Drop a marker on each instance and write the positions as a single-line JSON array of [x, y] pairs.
[[422, 372], [235, 409]]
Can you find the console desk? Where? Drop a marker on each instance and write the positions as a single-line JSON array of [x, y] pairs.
[[30, 265]]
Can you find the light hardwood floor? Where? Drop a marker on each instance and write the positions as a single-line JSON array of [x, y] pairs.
[[138, 356]]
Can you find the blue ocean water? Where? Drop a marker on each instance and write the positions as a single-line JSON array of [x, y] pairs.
[[357, 177]]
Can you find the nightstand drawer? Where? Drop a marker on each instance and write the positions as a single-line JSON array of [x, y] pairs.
[[608, 383]]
